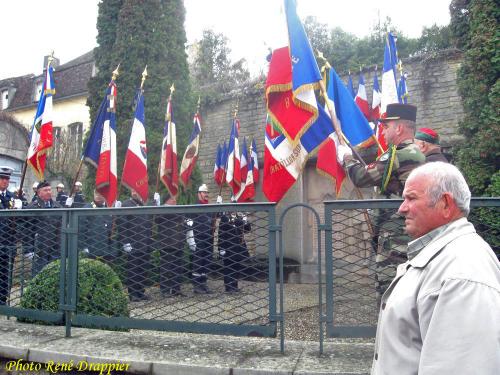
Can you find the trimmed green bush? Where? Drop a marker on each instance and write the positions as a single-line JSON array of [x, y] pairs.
[[100, 291]]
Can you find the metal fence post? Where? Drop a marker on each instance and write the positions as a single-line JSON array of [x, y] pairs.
[[69, 267]]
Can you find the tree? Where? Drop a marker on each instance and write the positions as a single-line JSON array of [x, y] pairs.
[[475, 27], [135, 34], [347, 52], [212, 70]]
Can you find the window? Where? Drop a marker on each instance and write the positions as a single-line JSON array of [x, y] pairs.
[[38, 90], [76, 138], [5, 99]]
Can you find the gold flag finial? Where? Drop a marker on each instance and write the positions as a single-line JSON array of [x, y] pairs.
[[236, 108], [172, 89], [115, 73], [144, 75], [50, 58], [198, 105]]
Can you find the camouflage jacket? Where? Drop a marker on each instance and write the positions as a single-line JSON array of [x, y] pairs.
[[390, 171]]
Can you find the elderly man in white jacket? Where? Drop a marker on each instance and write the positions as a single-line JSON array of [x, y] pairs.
[[441, 313]]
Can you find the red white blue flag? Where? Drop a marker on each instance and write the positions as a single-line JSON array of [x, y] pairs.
[[191, 154], [361, 99], [247, 190], [244, 162], [217, 166], [255, 162], [389, 82], [169, 172], [375, 114], [376, 99], [106, 175], [233, 166], [41, 131], [284, 160], [135, 168]]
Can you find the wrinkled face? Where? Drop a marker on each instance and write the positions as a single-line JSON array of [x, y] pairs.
[[45, 193], [420, 215], [4, 183]]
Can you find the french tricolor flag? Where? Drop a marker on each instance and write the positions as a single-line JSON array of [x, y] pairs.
[[361, 99], [105, 179], [135, 169], [389, 82], [233, 171]]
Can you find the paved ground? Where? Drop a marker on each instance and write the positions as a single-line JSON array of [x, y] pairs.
[[148, 352]]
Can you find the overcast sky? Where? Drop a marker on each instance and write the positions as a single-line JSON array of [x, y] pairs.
[[33, 28]]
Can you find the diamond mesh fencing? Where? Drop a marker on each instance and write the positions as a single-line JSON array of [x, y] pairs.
[[31, 240], [203, 266], [368, 242]]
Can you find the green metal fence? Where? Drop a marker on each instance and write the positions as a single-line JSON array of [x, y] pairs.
[[363, 245], [229, 282], [161, 276]]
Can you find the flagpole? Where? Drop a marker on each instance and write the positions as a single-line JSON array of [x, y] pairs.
[[344, 139], [167, 118], [141, 90], [227, 159], [25, 165], [75, 179]]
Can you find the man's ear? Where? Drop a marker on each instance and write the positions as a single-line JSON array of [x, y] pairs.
[[449, 205]]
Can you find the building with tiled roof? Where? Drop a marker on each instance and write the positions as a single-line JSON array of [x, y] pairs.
[[19, 100]]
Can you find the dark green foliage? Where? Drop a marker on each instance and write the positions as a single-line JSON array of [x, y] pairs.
[[100, 291], [475, 29], [213, 72], [347, 52], [134, 34], [476, 25]]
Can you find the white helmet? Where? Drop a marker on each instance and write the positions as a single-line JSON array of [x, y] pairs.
[[78, 183], [60, 185], [203, 188], [35, 185]]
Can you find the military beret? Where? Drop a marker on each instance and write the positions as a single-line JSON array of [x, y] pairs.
[[42, 184], [398, 111], [427, 135]]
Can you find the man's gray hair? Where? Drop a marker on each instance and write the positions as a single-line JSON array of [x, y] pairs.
[[444, 178]]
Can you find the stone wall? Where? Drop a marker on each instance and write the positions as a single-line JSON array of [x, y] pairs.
[[432, 88], [431, 85]]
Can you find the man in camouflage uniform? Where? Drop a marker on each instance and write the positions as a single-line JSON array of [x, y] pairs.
[[389, 174]]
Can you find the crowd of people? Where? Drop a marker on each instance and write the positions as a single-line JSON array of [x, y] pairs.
[[185, 243], [437, 280]]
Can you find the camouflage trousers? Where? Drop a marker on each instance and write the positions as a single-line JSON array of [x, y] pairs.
[[391, 248]]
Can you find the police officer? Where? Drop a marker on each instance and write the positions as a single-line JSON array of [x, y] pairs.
[[45, 230], [61, 194], [79, 199], [35, 185], [200, 239], [8, 243], [428, 141], [389, 174], [135, 238]]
